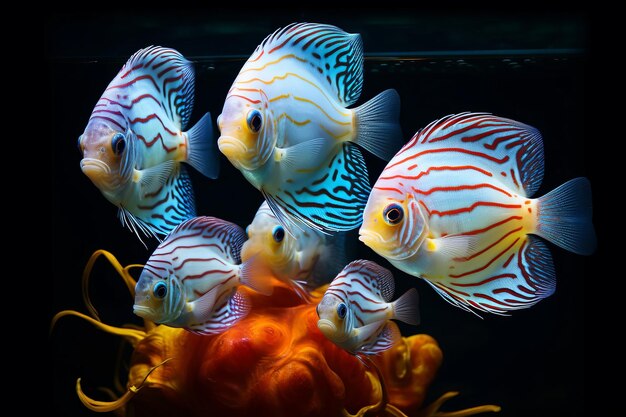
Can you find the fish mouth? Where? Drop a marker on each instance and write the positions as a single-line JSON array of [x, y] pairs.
[[327, 328], [143, 312], [98, 172], [92, 166], [232, 147], [371, 239]]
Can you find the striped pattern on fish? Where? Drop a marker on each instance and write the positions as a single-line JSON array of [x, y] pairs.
[[356, 309], [134, 143], [454, 207], [199, 265], [285, 122]]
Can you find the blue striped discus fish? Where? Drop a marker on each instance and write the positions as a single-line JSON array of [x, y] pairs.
[[133, 144], [454, 207], [191, 279], [286, 126], [356, 309], [309, 257]]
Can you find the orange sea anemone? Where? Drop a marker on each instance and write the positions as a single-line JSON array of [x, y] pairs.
[[275, 362]]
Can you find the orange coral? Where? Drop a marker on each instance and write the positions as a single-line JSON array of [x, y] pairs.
[[275, 362]]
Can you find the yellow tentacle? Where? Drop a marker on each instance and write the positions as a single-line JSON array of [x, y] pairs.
[[107, 406], [433, 409], [121, 270], [134, 336]]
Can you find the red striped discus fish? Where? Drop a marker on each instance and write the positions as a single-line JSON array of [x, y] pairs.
[[134, 142], [191, 279], [286, 126], [454, 207], [356, 309]]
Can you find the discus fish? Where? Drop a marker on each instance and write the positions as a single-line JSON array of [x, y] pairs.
[[356, 309], [454, 207], [191, 279], [308, 257], [286, 126], [133, 144]]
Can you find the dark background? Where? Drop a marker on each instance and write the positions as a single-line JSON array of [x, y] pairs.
[[527, 67]]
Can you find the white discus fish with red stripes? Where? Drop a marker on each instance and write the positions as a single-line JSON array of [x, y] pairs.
[[191, 279], [356, 309], [134, 142], [454, 207], [309, 258], [286, 126]]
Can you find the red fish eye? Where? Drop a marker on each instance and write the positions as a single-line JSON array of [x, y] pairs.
[[255, 120], [118, 143], [393, 214]]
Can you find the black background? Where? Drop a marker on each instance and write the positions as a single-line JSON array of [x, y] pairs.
[[532, 363]]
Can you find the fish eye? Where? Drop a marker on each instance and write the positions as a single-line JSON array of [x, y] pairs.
[[278, 234], [160, 290], [80, 144], [248, 231], [118, 143], [255, 120], [342, 310], [393, 214]]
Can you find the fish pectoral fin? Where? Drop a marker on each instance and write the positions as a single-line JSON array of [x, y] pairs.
[[150, 179], [202, 308], [388, 337], [452, 246], [305, 156], [366, 332]]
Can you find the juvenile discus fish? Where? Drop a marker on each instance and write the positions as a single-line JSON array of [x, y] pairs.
[[287, 127], [309, 257], [454, 207], [191, 279], [134, 142], [356, 309]]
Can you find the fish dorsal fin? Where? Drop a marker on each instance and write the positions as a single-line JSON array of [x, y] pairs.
[[228, 236], [380, 278], [508, 150], [166, 71], [334, 56]]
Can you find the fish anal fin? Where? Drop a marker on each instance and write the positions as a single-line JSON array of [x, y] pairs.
[[331, 199], [387, 338]]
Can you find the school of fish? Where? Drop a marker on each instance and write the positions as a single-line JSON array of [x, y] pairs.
[[454, 206]]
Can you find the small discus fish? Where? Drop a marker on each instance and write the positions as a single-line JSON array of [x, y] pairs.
[[287, 127], [453, 207], [191, 279], [309, 257], [134, 142], [356, 309]]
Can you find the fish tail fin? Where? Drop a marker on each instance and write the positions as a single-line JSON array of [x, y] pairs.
[[255, 274], [406, 308], [377, 126], [565, 217], [202, 153]]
